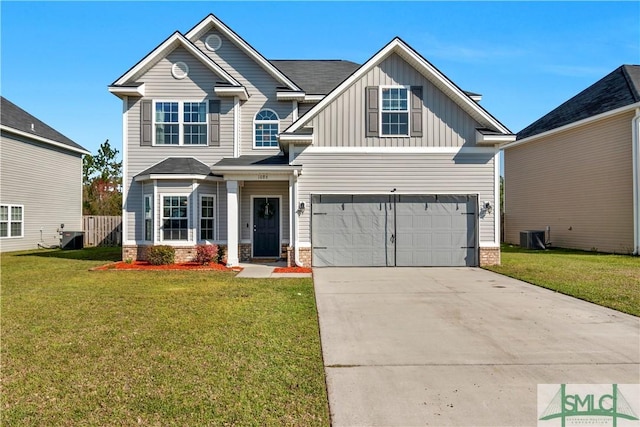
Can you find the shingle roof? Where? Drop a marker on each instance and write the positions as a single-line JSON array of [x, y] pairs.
[[316, 77], [252, 160], [178, 166], [618, 89], [16, 118]]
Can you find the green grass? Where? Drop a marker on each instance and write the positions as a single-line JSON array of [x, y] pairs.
[[608, 280], [155, 348]]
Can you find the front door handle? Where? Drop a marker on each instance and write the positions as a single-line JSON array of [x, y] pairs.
[[255, 227]]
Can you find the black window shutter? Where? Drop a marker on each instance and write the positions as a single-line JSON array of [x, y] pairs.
[[416, 110], [146, 122], [372, 116], [214, 122]]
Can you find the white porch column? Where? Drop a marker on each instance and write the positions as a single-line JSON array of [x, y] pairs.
[[232, 224]]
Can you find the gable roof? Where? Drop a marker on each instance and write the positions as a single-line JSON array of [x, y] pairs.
[[16, 120], [163, 49], [316, 77], [398, 46], [617, 89], [212, 21]]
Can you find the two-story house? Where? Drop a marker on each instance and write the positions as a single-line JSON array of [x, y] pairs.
[[326, 163]]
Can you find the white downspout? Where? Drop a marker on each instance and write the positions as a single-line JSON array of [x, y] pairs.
[[635, 138]]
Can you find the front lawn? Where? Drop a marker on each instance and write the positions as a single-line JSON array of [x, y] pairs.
[[154, 348], [609, 280]]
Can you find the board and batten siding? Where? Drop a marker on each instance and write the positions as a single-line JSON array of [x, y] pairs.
[[361, 173], [444, 123], [263, 188], [579, 182], [260, 85], [47, 181]]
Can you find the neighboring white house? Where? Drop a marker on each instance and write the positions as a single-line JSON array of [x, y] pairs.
[[40, 181], [325, 163], [576, 169]]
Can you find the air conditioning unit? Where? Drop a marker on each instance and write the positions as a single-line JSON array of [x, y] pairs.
[[532, 239]]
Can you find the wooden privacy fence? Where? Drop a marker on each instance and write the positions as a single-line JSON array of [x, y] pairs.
[[102, 230]]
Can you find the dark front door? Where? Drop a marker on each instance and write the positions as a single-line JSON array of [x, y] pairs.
[[266, 227]]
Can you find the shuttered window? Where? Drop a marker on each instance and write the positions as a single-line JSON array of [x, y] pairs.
[[394, 119], [393, 111], [177, 123]]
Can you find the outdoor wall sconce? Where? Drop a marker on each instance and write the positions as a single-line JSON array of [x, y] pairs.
[[300, 208], [487, 206]]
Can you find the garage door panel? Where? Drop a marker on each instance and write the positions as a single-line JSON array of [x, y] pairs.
[[404, 230]]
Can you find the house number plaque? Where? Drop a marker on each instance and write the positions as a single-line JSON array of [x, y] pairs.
[[263, 176]]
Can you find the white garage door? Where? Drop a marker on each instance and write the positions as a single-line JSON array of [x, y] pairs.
[[394, 230]]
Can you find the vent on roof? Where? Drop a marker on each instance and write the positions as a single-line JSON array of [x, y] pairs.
[[33, 128]]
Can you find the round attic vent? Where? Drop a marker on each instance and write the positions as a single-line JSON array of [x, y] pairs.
[[180, 70], [213, 42]]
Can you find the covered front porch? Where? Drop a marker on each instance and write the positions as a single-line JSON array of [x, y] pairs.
[[261, 208]]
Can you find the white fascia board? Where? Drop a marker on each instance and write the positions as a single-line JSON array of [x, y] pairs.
[[400, 150], [175, 40], [428, 70], [312, 98], [160, 177], [493, 139], [44, 140], [286, 137], [569, 126], [211, 20], [121, 91], [476, 98], [257, 169], [290, 96], [240, 92]]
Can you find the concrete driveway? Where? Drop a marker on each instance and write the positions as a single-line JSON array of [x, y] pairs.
[[459, 346]]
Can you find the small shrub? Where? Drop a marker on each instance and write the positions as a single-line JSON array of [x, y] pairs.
[[221, 259], [161, 255], [129, 260], [206, 254]]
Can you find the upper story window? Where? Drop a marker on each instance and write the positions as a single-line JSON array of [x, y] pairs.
[[180, 123], [266, 128], [394, 111], [11, 221]]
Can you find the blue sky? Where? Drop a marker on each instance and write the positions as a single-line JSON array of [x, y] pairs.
[[525, 58]]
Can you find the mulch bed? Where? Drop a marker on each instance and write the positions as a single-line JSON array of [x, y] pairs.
[[144, 265], [292, 270]]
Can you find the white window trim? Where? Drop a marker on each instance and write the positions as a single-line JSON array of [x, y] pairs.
[[180, 122], [9, 221], [265, 122], [215, 219], [144, 218], [159, 228], [408, 111]]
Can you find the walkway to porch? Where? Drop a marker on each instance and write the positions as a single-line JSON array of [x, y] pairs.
[[265, 270]]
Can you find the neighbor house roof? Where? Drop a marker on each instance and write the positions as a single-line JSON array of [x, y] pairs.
[[618, 89], [316, 77], [15, 119]]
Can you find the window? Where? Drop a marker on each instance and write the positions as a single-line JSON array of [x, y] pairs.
[[394, 111], [266, 129], [181, 123], [207, 217], [11, 221], [148, 217], [175, 214]]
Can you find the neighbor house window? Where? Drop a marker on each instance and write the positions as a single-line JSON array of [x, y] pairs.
[[207, 217], [394, 113], [175, 218], [180, 123], [148, 217], [266, 127], [11, 221]]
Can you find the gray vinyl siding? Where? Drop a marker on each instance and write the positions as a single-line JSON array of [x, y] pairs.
[[444, 123], [263, 188], [303, 108], [407, 173], [579, 182], [47, 181], [260, 85]]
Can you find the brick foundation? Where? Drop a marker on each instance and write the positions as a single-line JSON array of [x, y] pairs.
[[183, 253], [489, 256], [244, 252]]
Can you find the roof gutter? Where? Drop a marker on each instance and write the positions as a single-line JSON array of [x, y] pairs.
[[635, 141]]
